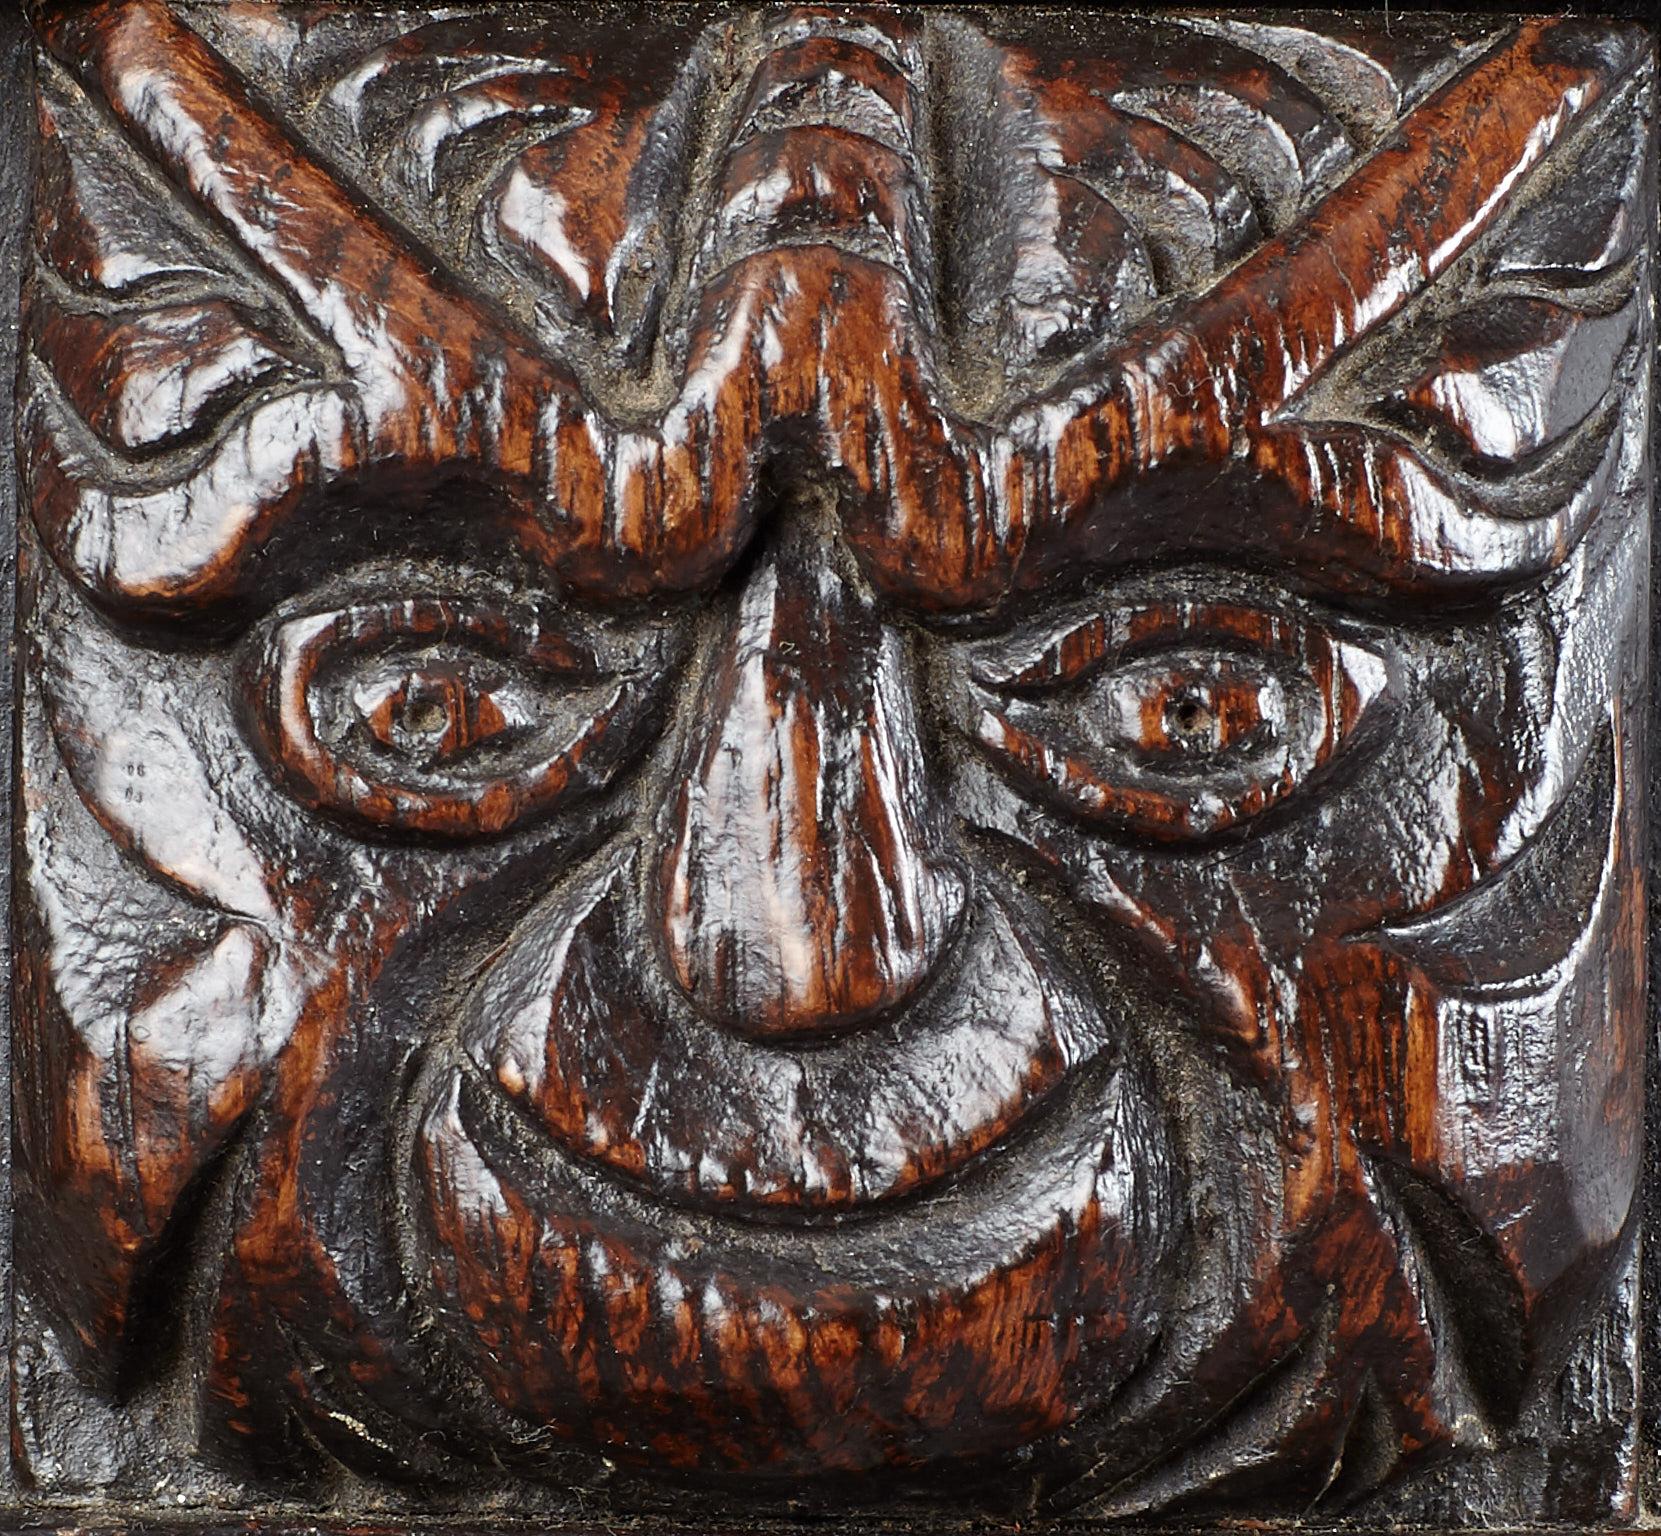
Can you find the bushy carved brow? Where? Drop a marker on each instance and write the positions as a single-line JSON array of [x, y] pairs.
[[1177, 441]]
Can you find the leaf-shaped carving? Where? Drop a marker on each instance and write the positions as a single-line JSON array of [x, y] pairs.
[[1506, 389], [1231, 1454], [1526, 919], [1516, 994], [1046, 263], [1245, 141], [1192, 214], [141, 760], [1227, 378], [1274, 167], [1470, 1283], [151, 379], [419, 374], [140, 1048], [1081, 190], [826, 149], [1588, 228], [96, 225], [810, 183], [1365, 76], [569, 180], [536, 97], [1516, 375]]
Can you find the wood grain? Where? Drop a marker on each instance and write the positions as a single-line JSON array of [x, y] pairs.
[[833, 758]]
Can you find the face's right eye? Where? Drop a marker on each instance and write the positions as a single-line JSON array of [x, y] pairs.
[[447, 713]]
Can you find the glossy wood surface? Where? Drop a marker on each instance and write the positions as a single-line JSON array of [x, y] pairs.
[[805, 758]]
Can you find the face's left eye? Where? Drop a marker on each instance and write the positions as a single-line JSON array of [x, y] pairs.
[[1172, 721], [449, 713]]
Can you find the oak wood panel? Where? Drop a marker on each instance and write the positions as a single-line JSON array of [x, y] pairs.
[[832, 758]]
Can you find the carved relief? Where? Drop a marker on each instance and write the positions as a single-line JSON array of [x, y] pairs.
[[834, 748]]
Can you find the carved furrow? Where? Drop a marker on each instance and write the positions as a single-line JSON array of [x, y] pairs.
[[866, 757]]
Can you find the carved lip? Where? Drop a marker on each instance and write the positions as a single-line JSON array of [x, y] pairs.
[[609, 1062], [977, 1318]]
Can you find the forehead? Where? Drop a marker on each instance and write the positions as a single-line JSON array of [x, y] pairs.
[[478, 284]]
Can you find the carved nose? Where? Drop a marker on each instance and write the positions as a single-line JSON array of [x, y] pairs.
[[801, 885]]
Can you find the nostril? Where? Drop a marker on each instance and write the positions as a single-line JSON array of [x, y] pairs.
[[802, 886]]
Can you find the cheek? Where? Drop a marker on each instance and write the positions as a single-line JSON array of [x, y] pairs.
[[1229, 928]]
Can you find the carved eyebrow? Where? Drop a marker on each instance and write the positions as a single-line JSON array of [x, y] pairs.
[[945, 512], [428, 379], [1196, 406]]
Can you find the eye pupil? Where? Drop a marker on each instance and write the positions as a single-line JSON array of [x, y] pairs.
[[425, 717], [1191, 717], [435, 716]]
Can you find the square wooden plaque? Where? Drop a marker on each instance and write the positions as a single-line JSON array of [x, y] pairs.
[[865, 764]]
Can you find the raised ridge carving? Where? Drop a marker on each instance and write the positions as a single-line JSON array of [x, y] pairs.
[[831, 753]]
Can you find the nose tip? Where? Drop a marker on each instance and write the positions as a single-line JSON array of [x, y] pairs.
[[801, 885]]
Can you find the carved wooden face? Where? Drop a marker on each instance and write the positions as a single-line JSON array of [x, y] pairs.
[[845, 748]]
